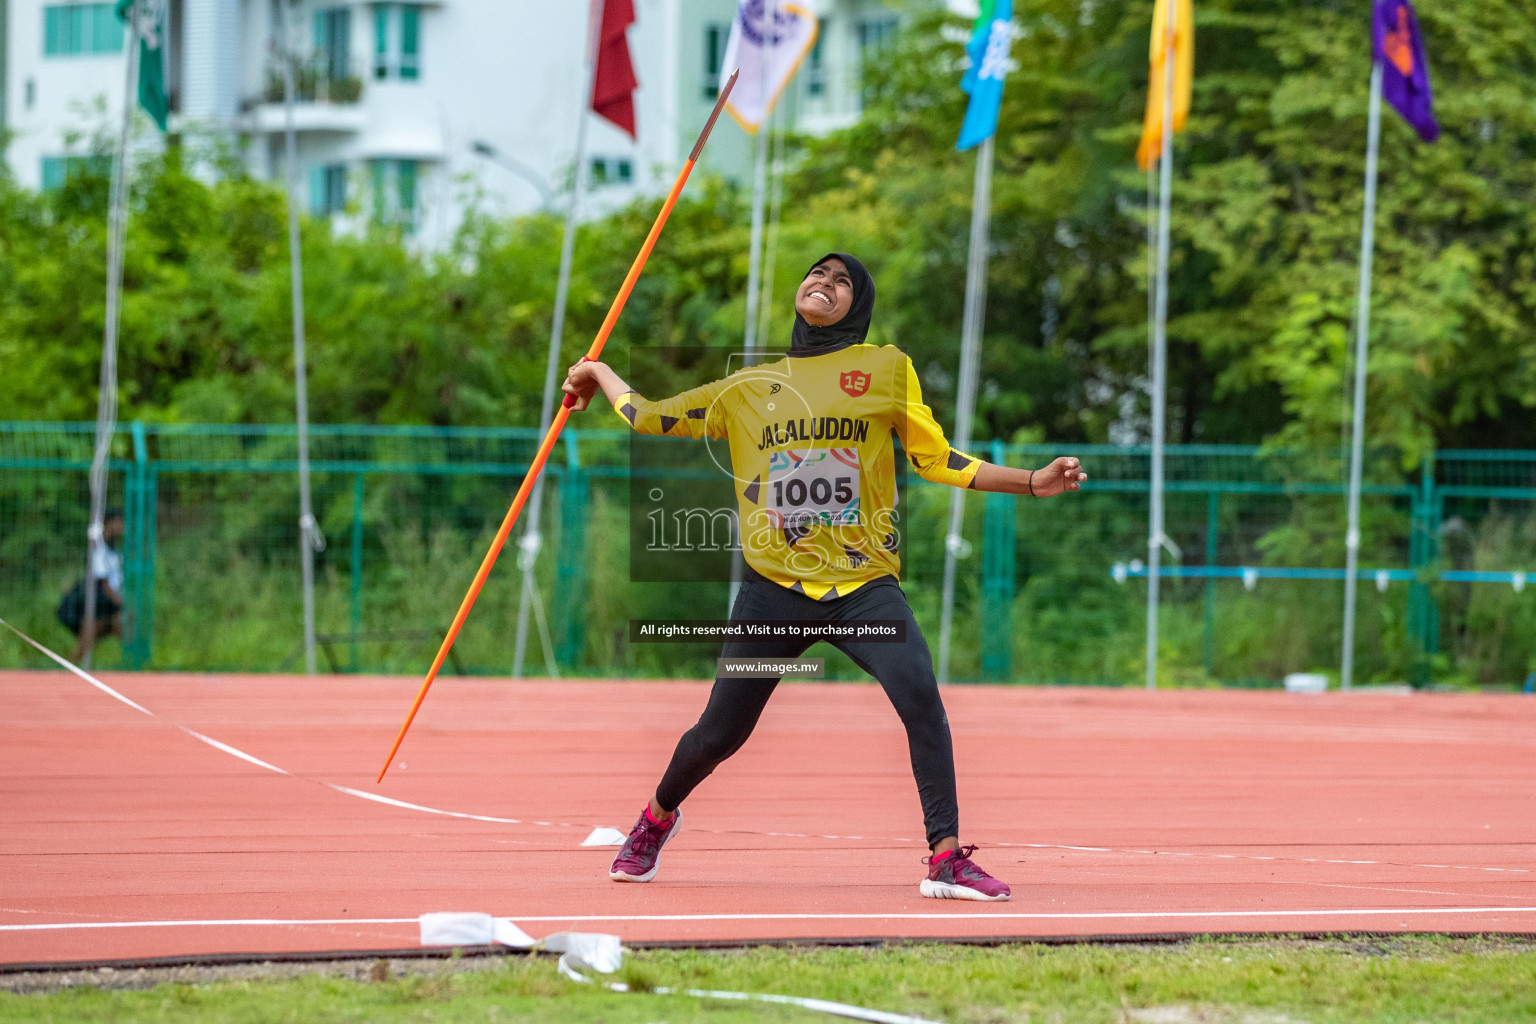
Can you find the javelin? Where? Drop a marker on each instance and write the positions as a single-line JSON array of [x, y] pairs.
[[558, 424]]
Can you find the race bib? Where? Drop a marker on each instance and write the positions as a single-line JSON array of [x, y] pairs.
[[814, 486]]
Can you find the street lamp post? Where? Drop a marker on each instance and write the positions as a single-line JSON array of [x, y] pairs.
[[517, 167]]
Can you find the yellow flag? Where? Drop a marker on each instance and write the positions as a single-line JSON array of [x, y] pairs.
[[1183, 74]]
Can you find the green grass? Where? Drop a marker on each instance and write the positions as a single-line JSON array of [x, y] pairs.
[[1408, 980]]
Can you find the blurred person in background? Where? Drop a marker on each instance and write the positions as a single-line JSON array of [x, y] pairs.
[[107, 577]]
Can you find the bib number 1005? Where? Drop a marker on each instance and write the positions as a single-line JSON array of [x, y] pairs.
[[818, 491], [816, 486]]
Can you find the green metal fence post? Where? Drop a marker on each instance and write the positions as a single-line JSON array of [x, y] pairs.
[[357, 567], [1434, 501], [144, 628], [1212, 520], [999, 512], [1423, 621], [133, 545], [571, 560]]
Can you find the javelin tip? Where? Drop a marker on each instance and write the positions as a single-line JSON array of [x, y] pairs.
[[714, 115]]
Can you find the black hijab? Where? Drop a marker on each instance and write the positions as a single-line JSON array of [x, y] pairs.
[[852, 328]]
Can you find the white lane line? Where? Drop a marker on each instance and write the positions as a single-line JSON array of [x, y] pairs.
[[392, 802], [1382, 888], [1240, 856], [1104, 916], [1118, 915], [265, 765], [238, 922]]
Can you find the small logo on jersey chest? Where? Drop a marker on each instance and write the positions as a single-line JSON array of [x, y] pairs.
[[855, 382]]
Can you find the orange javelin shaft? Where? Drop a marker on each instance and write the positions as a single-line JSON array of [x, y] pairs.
[[558, 424]]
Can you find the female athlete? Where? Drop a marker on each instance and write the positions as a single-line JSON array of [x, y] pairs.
[[814, 467]]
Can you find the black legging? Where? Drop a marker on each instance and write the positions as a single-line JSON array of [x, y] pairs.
[[904, 671]]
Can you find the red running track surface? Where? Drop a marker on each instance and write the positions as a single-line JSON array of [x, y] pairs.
[[1108, 811]]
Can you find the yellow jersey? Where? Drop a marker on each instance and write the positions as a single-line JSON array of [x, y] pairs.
[[809, 440]]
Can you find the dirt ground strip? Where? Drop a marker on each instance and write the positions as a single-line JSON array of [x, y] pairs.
[[375, 969], [358, 969]]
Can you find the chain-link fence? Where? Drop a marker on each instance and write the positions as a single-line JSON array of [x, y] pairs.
[[1050, 591]]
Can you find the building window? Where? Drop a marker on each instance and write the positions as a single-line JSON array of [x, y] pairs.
[[333, 41], [875, 34], [612, 170], [410, 42], [815, 62], [59, 169], [397, 41], [405, 190], [327, 190], [77, 30], [715, 38], [394, 192]]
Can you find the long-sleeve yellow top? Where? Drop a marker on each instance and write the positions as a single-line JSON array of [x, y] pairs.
[[811, 453]]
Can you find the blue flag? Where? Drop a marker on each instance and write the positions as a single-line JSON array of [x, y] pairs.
[[983, 81]]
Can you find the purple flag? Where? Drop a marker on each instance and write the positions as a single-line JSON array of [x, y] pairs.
[[1405, 72]]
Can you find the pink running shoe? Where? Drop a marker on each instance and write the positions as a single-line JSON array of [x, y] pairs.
[[638, 860], [952, 875]]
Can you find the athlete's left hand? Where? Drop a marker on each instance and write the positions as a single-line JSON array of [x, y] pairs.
[[1065, 474]]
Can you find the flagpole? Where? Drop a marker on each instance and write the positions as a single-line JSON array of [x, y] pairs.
[[751, 347], [106, 395], [965, 389], [310, 538], [1362, 345], [1155, 534], [532, 540]]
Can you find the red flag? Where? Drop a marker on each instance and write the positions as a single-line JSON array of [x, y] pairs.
[[613, 81]]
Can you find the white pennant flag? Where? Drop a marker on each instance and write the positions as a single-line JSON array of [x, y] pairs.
[[769, 39]]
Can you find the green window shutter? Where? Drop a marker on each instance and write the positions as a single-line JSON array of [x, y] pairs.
[[317, 197], [74, 36], [106, 30], [64, 30], [338, 42], [405, 183], [322, 37], [712, 58], [376, 181], [336, 188], [53, 173], [381, 41], [410, 42]]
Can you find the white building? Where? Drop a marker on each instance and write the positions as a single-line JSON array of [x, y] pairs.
[[410, 111]]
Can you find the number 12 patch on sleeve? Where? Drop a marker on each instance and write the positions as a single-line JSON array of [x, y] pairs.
[[814, 486]]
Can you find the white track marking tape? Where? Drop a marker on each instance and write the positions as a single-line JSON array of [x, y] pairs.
[[1116, 915], [605, 837], [820, 1005], [268, 766], [603, 954], [406, 805]]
